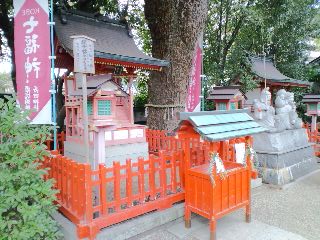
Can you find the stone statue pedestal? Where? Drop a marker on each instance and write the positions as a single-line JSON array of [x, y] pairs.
[[284, 156]]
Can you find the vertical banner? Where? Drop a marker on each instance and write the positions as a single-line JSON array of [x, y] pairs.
[[194, 86], [32, 51]]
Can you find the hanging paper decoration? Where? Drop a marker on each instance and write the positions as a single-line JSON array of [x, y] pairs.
[[240, 149], [217, 164]]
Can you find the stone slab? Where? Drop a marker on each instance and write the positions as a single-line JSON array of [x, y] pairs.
[[285, 141], [128, 228]]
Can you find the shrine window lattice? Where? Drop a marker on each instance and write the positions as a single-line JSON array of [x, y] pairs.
[[222, 106], [104, 107]]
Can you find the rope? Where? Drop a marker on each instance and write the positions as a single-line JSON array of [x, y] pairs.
[[168, 114], [164, 106]]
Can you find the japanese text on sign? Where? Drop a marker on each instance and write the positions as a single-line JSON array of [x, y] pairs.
[[31, 64], [83, 53]]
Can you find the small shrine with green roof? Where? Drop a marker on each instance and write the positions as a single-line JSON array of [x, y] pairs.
[[227, 97]]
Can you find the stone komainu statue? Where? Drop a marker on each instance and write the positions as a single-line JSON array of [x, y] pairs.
[[263, 111], [283, 117]]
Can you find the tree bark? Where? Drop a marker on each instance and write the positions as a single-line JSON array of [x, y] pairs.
[[175, 26]]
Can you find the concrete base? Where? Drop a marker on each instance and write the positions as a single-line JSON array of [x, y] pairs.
[[284, 157], [135, 226], [117, 153], [128, 228]]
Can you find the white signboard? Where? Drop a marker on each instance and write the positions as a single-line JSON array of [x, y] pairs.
[[136, 133], [121, 134], [240, 152], [83, 54]]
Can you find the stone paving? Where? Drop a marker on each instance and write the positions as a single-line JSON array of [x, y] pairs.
[[290, 213], [296, 208]]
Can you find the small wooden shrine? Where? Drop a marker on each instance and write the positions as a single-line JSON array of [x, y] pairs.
[[222, 185], [313, 108], [267, 75], [113, 134], [227, 97]]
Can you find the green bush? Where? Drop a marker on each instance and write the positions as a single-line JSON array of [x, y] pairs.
[[26, 200]]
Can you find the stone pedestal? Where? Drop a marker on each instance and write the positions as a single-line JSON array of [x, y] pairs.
[[284, 156], [113, 153]]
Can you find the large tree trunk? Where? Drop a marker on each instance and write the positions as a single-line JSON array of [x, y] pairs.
[[175, 26]]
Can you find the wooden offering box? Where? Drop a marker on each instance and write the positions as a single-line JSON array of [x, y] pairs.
[[227, 134], [213, 202]]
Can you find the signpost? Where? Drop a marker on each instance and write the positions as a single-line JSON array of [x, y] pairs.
[[83, 54]]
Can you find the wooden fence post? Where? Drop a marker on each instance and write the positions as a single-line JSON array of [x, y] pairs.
[[174, 159], [141, 179], [88, 194], [152, 185], [74, 185], [162, 172], [129, 182], [117, 185], [103, 186]]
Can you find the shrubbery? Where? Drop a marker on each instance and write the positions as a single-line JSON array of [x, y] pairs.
[[26, 200]]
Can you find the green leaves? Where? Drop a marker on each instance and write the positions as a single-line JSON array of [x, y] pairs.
[[26, 200], [282, 29]]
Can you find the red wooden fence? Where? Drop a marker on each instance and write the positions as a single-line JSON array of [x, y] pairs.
[[314, 137], [159, 140]]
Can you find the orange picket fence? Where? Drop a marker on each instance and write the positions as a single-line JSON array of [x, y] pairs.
[[94, 199]]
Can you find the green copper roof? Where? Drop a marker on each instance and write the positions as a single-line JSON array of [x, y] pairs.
[[222, 125]]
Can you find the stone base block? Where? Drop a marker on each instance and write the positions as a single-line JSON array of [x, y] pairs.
[[116, 153], [284, 167], [280, 142]]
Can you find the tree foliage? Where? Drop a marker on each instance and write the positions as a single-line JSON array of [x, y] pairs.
[[278, 28], [281, 29], [5, 83], [26, 200]]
